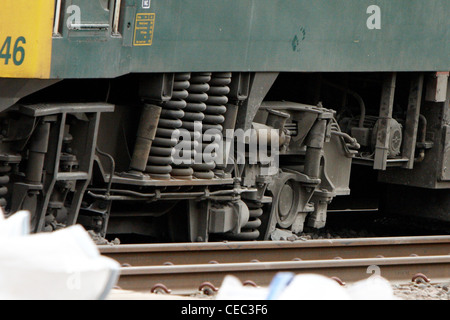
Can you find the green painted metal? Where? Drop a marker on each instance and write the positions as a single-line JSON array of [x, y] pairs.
[[258, 35]]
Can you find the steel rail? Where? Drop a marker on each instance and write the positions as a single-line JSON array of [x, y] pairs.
[[187, 268], [271, 251], [187, 279]]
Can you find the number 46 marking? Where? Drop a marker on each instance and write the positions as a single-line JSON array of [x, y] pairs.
[[18, 53]]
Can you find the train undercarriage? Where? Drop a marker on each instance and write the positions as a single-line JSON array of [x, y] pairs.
[[221, 156]]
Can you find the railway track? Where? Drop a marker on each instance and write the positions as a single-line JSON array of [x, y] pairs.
[[189, 268]]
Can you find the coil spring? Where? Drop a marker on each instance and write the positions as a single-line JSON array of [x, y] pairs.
[[4, 180], [214, 118], [217, 100], [250, 230], [194, 115], [160, 162]]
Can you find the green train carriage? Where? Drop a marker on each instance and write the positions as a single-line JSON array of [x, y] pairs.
[[95, 96]]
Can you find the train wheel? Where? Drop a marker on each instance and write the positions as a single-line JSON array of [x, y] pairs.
[[289, 201]]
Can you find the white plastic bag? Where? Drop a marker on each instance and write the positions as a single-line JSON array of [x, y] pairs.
[[313, 287], [287, 286], [62, 265], [233, 289], [16, 226], [373, 288]]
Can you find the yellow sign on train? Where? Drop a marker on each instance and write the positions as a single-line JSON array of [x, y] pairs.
[[26, 38]]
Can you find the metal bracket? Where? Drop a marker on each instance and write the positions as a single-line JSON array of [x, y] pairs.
[[437, 87], [386, 109]]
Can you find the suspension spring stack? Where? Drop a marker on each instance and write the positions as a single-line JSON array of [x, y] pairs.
[[160, 162], [192, 122], [4, 180], [217, 100], [214, 118]]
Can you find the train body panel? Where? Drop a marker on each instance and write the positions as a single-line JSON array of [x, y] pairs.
[[261, 35], [93, 39]]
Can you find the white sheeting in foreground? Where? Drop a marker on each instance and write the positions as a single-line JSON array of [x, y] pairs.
[[63, 265], [287, 286]]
